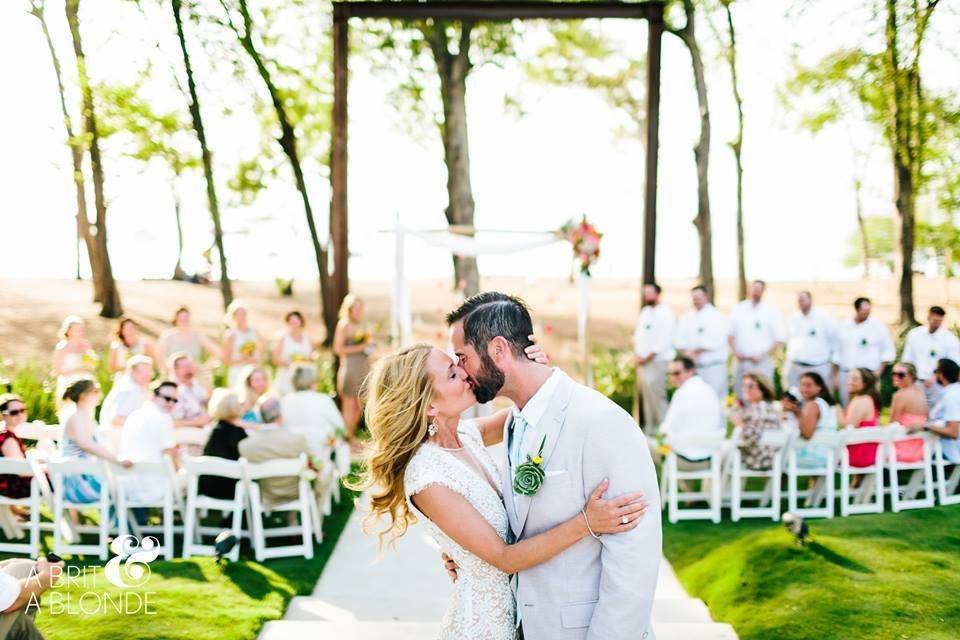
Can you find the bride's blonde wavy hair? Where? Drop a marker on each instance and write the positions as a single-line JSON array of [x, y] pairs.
[[397, 394]]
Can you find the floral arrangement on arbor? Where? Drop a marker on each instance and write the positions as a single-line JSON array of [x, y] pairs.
[[585, 240]]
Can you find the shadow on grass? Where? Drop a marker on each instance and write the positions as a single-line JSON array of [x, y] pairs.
[[187, 570], [835, 558], [251, 582]]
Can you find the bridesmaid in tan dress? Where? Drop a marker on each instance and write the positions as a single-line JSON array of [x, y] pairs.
[[352, 345]]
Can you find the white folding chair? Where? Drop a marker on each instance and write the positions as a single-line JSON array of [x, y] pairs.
[[709, 479], [823, 487], [13, 529], [857, 500], [193, 531], [768, 499], [191, 436], [921, 472], [946, 484], [58, 468], [292, 467], [47, 437], [157, 474]]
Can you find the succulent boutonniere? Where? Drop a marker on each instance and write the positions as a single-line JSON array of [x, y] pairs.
[[529, 475]]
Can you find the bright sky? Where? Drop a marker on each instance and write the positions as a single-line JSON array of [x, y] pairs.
[[562, 159]]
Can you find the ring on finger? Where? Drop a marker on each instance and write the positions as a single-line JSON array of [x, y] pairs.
[[624, 520]]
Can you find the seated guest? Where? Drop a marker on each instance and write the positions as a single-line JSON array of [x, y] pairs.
[[815, 413], [14, 414], [223, 442], [694, 409], [862, 410], [909, 408], [129, 392], [945, 416], [273, 442], [148, 437], [310, 412], [758, 415], [80, 440], [22, 582], [191, 410], [255, 384]]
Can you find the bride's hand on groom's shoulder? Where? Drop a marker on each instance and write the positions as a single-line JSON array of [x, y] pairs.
[[535, 352], [617, 515]]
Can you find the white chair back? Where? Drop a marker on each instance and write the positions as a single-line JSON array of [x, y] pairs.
[[193, 530], [276, 468], [867, 435], [290, 467], [47, 437], [213, 466], [12, 528], [60, 467], [191, 436]]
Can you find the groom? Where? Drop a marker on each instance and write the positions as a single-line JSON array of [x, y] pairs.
[[600, 588]]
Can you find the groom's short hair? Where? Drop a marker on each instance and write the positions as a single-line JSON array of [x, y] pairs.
[[490, 314]]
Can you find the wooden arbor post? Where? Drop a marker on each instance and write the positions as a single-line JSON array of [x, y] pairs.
[[655, 30], [339, 237]]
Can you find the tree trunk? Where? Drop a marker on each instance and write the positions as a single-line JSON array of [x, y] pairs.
[[288, 143], [701, 151], [178, 273], [111, 307], [76, 155], [453, 69], [226, 290], [862, 226], [904, 194], [736, 145]]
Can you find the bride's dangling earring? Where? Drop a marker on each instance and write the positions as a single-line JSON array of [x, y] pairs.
[[433, 429]]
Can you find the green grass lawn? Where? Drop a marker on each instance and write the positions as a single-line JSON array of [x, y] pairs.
[[894, 575], [193, 599]]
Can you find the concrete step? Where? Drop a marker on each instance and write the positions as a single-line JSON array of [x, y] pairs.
[[305, 630], [680, 610]]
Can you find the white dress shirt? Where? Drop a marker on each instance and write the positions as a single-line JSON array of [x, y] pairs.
[[948, 410], [529, 416], [755, 328], [705, 329], [811, 337], [654, 333], [694, 411], [865, 344], [923, 349], [313, 414], [9, 590], [146, 434], [124, 398]]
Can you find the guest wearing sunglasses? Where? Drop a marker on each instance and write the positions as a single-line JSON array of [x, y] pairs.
[[147, 437], [14, 414], [909, 408], [694, 410]]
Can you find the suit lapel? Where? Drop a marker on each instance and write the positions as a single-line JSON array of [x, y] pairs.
[[506, 482], [547, 431]]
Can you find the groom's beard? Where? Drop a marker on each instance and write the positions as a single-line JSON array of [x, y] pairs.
[[489, 382]]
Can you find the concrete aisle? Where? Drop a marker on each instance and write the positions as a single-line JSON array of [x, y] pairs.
[[402, 596]]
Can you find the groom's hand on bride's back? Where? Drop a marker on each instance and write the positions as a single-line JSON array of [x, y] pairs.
[[450, 566]]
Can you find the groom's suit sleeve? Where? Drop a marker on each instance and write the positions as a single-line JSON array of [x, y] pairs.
[[615, 448]]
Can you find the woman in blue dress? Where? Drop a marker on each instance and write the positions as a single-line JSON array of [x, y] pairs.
[[816, 414]]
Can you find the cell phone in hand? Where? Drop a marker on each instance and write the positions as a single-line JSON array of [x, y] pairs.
[[52, 557]]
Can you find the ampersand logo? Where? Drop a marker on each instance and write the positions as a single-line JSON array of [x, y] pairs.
[[130, 568]]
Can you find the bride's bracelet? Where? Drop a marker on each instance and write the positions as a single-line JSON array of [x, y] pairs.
[[586, 521]]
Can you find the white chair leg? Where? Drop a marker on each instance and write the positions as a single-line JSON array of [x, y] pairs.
[[189, 519], [715, 490], [672, 488], [168, 528]]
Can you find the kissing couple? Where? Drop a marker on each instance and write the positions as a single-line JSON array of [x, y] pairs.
[[560, 540]]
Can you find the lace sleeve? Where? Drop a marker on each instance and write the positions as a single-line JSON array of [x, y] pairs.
[[424, 470]]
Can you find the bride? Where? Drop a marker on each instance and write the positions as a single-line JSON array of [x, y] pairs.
[[424, 460]]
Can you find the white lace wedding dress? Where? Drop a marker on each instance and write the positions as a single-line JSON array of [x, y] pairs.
[[482, 606]]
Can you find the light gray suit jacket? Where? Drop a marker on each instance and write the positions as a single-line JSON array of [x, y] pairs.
[[597, 589]]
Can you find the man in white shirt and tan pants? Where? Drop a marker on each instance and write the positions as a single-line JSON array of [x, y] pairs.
[[862, 342], [811, 337], [653, 349], [756, 332], [702, 336], [925, 346]]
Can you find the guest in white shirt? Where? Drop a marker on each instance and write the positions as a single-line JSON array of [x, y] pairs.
[[129, 392], [694, 410], [653, 348], [702, 336], [147, 437], [945, 417], [811, 336], [925, 346], [191, 410], [310, 412], [862, 342], [756, 332]]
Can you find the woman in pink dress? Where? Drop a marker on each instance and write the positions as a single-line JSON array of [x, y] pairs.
[[909, 409], [863, 410]]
